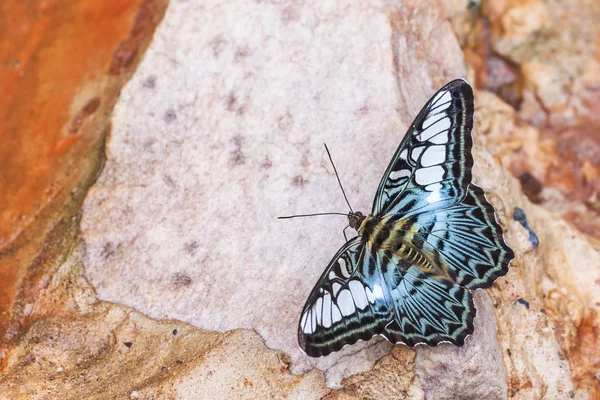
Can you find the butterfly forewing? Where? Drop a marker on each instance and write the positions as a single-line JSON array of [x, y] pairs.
[[347, 304], [431, 168]]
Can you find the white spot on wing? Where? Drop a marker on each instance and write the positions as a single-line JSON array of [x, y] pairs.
[[377, 291], [327, 310], [303, 324], [430, 120], [433, 117], [370, 295], [403, 154], [440, 138], [345, 303], [313, 321], [303, 320], [434, 197], [358, 293], [441, 98], [319, 309], [335, 313], [441, 125], [433, 155], [433, 187], [336, 288], [403, 173], [425, 176], [331, 274], [416, 152]]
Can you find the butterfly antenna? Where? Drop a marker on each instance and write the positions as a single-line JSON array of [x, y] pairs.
[[311, 215], [338, 178]]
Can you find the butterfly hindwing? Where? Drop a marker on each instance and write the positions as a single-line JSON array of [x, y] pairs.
[[360, 295], [466, 239], [426, 310], [431, 168], [346, 305]]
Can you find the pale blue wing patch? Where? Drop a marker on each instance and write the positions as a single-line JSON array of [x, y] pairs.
[[426, 310], [467, 240]]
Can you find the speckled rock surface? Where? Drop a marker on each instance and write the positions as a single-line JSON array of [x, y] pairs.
[[206, 151], [559, 279], [442, 370], [543, 58], [183, 284], [84, 349], [553, 44]]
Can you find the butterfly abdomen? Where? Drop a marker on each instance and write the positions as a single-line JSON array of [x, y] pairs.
[[414, 257], [398, 237]]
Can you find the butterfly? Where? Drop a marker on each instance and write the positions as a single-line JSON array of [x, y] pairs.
[[430, 239]]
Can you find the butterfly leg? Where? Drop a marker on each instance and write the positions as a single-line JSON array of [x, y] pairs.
[[344, 232]]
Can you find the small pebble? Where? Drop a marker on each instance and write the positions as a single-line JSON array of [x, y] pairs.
[[59, 369], [134, 395], [524, 302]]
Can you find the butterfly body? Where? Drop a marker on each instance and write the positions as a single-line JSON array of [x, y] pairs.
[[395, 236], [430, 239]]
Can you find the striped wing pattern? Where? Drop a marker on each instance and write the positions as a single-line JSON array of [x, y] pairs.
[[467, 240], [346, 305], [364, 292], [431, 238], [431, 168], [426, 310]]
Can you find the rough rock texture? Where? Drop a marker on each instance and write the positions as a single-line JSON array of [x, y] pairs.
[[187, 227], [55, 112], [220, 131], [545, 51], [87, 349], [562, 275], [489, 382], [543, 58]]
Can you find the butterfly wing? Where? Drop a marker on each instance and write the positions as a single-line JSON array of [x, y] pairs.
[[431, 168], [361, 295], [465, 239], [426, 310], [347, 304], [367, 290]]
